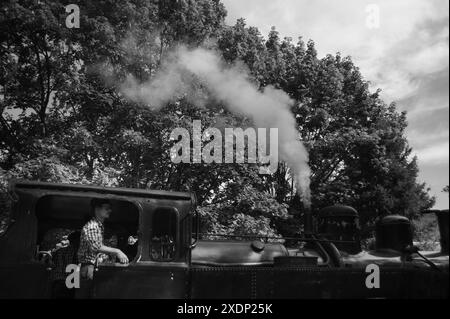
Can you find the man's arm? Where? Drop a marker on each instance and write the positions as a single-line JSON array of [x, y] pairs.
[[94, 238], [115, 252]]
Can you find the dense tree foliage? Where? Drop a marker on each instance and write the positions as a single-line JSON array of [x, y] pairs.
[[64, 120]]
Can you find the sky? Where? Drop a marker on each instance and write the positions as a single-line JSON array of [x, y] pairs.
[[401, 47]]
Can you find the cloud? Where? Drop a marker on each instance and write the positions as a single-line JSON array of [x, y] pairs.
[[410, 45], [404, 67], [435, 154], [422, 141], [432, 94]]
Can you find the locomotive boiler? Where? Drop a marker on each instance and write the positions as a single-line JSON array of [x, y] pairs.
[[170, 259]]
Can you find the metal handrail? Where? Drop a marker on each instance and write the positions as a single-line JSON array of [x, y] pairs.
[[197, 231], [304, 239]]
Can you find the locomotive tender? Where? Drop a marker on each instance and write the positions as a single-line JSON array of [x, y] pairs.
[[169, 260]]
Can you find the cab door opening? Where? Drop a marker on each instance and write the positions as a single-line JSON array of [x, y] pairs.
[[59, 222]]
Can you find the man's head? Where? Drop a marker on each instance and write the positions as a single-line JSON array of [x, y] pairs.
[[102, 208]]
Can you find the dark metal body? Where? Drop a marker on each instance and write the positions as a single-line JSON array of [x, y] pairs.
[[204, 269], [394, 232]]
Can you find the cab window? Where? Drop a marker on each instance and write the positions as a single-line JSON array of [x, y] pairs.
[[163, 238]]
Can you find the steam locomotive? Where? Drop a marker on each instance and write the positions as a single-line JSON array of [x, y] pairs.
[[171, 260]]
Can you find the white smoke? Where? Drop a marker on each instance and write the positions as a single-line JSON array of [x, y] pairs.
[[231, 86]]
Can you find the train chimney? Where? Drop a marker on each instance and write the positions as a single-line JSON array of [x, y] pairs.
[[308, 219]]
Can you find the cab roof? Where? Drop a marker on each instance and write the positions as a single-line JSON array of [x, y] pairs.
[[75, 188]]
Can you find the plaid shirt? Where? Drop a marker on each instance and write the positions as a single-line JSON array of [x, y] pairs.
[[90, 242]]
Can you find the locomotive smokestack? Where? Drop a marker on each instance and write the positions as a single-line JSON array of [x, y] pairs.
[[308, 218]]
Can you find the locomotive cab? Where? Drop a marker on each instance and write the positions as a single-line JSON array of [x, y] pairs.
[[153, 228]]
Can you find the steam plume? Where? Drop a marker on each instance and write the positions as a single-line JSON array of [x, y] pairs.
[[231, 86]]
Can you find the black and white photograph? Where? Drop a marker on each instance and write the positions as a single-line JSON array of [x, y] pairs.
[[224, 155]]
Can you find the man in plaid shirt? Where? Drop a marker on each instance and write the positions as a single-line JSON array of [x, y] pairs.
[[91, 242]]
